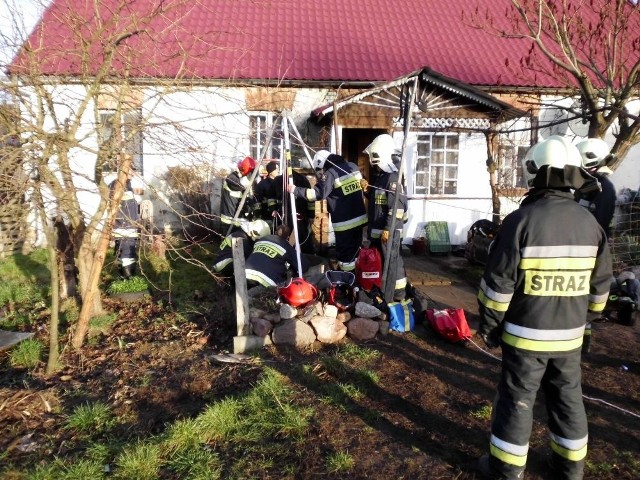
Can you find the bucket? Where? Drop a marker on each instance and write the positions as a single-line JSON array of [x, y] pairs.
[[419, 246]]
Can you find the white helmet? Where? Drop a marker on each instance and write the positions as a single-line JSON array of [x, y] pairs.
[[555, 151], [594, 152], [256, 229], [320, 158], [380, 152]]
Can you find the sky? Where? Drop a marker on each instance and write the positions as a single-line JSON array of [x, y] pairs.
[[17, 19]]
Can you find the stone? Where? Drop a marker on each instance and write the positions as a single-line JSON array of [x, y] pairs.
[[328, 329], [344, 317], [293, 332], [330, 311], [261, 327], [383, 327], [364, 310], [272, 317], [256, 313], [362, 328], [287, 311]]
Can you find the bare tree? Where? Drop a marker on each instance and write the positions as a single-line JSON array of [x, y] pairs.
[[590, 48], [105, 50]]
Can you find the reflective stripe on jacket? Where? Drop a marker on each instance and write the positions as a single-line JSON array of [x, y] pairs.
[[547, 274]]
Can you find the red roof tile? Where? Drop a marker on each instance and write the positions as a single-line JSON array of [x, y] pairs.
[[310, 40]]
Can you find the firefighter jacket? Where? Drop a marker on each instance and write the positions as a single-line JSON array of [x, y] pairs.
[[305, 209], [269, 261], [382, 195], [602, 204], [340, 186], [233, 188], [264, 195], [547, 274], [225, 256], [125, 224]]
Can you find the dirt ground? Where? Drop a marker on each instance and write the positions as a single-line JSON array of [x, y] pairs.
[[419, 421]]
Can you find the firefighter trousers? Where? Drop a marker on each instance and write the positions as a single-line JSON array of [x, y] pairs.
[[560, 380], [398, 275], [347, 245]]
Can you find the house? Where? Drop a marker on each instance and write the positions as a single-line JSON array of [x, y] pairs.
[[202, 83]]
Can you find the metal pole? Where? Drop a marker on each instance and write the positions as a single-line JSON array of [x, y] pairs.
[[393, 244], [292, 199]]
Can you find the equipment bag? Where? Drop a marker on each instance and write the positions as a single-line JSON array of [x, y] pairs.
[[369, 268], [401, 318], [450, 323]]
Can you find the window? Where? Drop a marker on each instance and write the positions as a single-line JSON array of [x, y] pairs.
[[260, 125], [510, 166], [437, 164], [125, 137]]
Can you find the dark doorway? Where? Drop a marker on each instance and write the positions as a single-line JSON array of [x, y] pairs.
[[354, 141]]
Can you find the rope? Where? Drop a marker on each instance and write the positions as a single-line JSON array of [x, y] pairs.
[[586, 397]]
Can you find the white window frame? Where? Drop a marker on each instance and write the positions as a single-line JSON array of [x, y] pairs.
[[259, 125], [437, 164], [130, 136], [510, 165]]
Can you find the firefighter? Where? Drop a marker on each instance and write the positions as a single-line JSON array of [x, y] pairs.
[[384, 157], [233, 188], [272, 256], [249, 232], [601, 202], [305, 209], [125, 231], [540, 286], [264, 192], [339, 184]]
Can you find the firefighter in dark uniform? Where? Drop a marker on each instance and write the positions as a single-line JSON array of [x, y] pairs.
[[271, 258], [601, 202], [233, 189], [264, 192], [125, 231], [249, 233], [382, 196], [339, 184], [540, 286], [305, 209]]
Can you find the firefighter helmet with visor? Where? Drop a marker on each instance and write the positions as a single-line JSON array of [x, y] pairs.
[[594, 152], [380, 153]]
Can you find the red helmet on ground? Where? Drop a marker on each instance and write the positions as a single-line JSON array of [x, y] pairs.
[[246, 166], [298, 292]]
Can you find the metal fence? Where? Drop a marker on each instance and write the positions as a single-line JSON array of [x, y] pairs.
[[625, 239]]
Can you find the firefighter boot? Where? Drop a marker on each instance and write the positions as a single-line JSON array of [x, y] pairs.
[[128, 271]]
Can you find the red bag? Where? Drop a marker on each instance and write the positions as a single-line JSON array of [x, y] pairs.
[[450, 323], [369, 268]]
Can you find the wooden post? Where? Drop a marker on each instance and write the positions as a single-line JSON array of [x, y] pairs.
[[242, 299]]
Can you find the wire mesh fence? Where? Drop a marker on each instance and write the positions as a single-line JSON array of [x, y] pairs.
[[625, 240]]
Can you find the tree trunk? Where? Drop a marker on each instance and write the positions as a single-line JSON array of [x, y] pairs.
[[91, 262], [493, 182]]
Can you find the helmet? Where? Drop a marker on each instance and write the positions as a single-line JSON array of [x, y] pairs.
[[594, 152], [341, 292], [380, 152], [246, 166], [256, 229], [320, 158], [555, 151], [298, 292]]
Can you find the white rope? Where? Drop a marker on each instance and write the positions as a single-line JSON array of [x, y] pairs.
[[598, 400]]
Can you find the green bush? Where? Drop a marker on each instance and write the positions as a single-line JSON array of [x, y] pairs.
[[129, 285]]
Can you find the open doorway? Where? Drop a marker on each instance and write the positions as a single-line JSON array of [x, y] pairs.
[[354, 141]]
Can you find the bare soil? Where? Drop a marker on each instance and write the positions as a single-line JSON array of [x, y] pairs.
[[421, 420]]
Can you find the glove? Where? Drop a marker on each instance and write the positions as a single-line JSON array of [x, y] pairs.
[[384, 236], [364, 185]]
